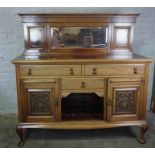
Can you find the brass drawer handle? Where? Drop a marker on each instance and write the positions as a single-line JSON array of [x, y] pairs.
[[135, 70], [71, 71], [94, 71], [30, 72], [83, 85]]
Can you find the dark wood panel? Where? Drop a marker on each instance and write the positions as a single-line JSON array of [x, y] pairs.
[[37, 30], [79, 18]]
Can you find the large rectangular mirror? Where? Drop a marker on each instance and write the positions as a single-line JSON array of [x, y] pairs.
[[79, 37]]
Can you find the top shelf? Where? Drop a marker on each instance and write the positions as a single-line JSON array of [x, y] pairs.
[[97, 33]]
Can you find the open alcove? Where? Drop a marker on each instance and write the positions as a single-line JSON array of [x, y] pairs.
[[82, 106]]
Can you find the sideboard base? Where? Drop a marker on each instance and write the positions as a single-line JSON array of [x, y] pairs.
[[84, 125]]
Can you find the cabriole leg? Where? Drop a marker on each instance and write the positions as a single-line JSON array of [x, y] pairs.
[[143, 130], [20, 132]]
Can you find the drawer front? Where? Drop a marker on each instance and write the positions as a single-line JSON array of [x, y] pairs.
[[83, 83], [114, 69], [47, 70]]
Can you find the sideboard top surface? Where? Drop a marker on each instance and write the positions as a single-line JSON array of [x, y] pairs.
[[82, 58]]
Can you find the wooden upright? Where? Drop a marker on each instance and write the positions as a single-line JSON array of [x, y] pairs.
[[79, 71]]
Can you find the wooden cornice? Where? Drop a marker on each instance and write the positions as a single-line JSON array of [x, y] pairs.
[[79, 18]]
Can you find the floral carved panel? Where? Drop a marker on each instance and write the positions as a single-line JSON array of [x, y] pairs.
[[39, 102], [125, 101]]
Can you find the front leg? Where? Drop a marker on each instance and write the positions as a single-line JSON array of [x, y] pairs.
[[143, 129], [20, 132]]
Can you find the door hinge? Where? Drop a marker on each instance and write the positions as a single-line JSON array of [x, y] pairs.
[[56, 102], [143, 81], [109, 101]]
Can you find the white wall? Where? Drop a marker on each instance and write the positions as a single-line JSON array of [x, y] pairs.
[[12, 43]]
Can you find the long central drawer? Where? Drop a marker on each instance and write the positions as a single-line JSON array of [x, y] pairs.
[[50, 70], [83, 83]]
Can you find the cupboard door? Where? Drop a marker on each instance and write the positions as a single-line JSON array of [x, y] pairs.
[[125, 99], [40, 100]]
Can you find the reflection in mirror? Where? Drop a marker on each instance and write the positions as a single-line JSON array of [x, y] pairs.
[[122, 37], [36, 37], [79, 37]]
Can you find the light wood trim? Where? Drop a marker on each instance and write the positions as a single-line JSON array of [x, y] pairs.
[[65, 93], [19, 93], [40, 119], [130, 117], [96, 124], [145, 90], [73, 61]]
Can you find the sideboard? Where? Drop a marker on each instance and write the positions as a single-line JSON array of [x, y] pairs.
[[80, 71]]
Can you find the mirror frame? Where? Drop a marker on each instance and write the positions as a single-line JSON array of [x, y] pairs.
[[113, 22], [74, 41]]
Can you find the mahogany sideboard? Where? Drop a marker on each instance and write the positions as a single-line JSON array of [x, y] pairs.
[[79, 71]]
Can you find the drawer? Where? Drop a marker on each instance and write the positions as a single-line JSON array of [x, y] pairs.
[[114, 69], [83, 83], [47, 70]]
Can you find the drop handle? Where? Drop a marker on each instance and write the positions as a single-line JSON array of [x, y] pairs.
[[71, 71], [29, 72], [135, 70], [83, 85], [94, 71]]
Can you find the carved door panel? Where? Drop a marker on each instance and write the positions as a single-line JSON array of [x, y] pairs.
[[125, 99], [40, 100]]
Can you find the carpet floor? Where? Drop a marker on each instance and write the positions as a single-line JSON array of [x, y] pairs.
[[125, 137]]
